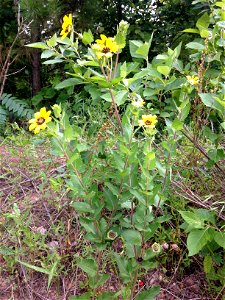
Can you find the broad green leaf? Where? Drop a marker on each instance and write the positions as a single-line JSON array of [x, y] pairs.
[[210, 101], [47, 53], [53, 61], [68, 83], [195, 46], [207, 264], [87, 37], [38, 45], [89, 266], [139, 49], [165, 70], [81, 207], [177, 124], [192, 219], [121, 97], [203, 24], [196, 240], [150, 294], [143, 50], [122, 264], [132, 237], [52, 41], [219, 238]]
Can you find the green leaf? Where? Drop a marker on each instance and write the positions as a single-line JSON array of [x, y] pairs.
[[87, 37], [207, 264], [143, 50], [203, 24], [122, 264], [139, 49], [132, 237], [52, 273], [84, 296], [150, 294], [81, 207], [211, 101], [52, 42], [35, 268], [192, 219], [53, 61], [121, 97], [219, 238], [191, 30], [195, 46], [196, 240], [38, 45], [68, 83], [177, 124], [89, 266], [165, 70], [47, 53]]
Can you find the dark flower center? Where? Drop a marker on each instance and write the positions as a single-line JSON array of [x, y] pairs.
[[40, 121], [105, 50], [148, 122]]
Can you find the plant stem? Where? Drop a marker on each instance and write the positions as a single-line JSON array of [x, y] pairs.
[[116, 110]]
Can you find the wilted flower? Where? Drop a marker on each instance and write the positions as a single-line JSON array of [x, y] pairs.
[[105, 47], [138, 103], [148, 121], [156, 247], [40, 120], [111, 235], [67, 25], [192, 79]]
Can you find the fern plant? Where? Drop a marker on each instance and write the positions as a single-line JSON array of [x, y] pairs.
[[19, 108]]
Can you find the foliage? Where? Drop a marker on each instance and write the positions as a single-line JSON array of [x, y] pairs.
[[120, 185], [121, 179], [10, 104]]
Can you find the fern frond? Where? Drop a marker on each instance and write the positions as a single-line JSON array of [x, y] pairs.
[[3, 117], [18, 107]]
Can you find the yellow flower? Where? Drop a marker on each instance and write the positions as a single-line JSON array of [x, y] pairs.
[[148, 121], [138, 103], [192, 79], [105, 47], [41, 118], [67, 26]]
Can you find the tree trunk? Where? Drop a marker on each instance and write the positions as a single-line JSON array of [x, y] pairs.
[[36, 59]]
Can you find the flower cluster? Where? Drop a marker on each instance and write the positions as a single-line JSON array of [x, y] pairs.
[[192, 79], [67, 25], [41, 118], [105, 47]]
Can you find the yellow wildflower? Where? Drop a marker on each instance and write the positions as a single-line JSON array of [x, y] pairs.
[[41, 118], [105, 47], [138, 103], [67, 25], [148, 121], [192, 79]]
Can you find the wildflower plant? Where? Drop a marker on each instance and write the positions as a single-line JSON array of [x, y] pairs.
[[120, 185]]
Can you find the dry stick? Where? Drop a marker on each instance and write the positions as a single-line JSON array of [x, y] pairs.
[[199, 147], [217, 297]]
